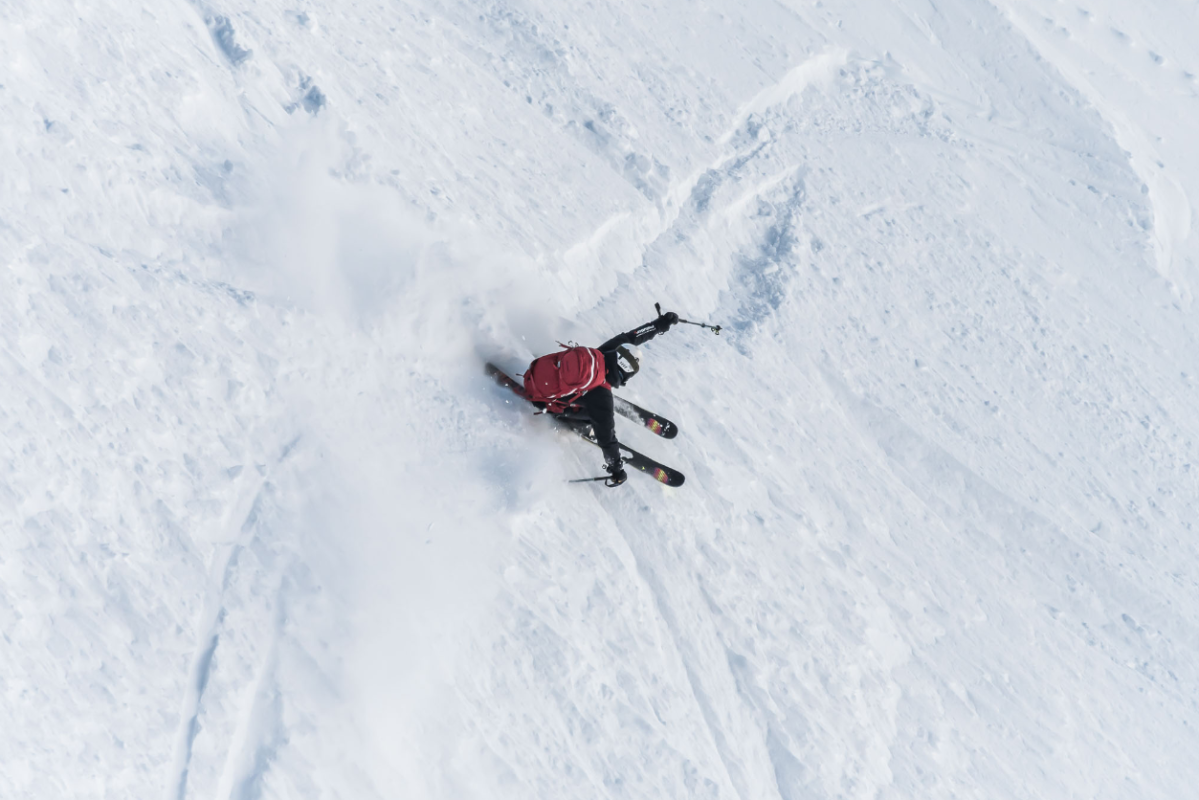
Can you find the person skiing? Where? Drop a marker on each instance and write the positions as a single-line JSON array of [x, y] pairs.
[[584, 396]]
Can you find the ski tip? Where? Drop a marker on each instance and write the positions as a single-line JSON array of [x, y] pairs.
[[661, 427], [668, 477]]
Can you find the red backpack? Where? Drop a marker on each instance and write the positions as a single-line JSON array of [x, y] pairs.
[[560, 378]]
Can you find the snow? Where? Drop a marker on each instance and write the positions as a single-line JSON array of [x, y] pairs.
[[268, 530]]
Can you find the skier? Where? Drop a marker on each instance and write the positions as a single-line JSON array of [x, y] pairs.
[[588, 399]]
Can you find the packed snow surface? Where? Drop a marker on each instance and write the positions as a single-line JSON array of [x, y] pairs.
[[266, 529]]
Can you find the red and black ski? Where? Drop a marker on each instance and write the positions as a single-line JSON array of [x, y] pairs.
[[665, 428]]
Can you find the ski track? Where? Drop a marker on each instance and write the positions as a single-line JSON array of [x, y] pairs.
[[641, 230], [197, 681], [1172, 209], [212, 617], [255, 741], [816, 70], [686, 659]]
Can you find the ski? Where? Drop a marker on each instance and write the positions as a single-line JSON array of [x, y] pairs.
[[638, 461], [648, 419], [502, 379]]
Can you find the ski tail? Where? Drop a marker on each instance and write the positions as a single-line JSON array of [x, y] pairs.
[[503, 379]]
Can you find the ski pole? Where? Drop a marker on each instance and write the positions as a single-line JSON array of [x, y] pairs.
[[714, 328], [589, 480]]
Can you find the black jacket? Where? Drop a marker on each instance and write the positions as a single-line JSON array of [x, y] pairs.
[[597, 404]]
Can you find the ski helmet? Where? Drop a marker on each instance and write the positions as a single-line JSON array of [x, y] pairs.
[[627, 363]]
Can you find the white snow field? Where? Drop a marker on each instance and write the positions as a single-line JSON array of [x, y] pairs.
[[267, 531]]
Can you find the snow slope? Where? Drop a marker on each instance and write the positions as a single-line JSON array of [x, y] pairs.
[[267, 531]]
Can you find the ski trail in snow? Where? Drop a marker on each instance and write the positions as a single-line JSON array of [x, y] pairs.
[[254, 742], [642, 229], [209, 628], [720, 743], [1172, 210], [788, 771], [591, 245], [197, 680], [819, 68]]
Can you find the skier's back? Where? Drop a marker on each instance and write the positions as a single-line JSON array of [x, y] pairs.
[[591, 402]]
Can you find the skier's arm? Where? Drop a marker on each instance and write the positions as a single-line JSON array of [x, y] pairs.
[[598, 405], [634, 337], [642, 334]]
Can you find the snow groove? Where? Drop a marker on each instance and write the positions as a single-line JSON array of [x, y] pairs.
[[687, 657], [790, 775], [1101, 82], [817, 69], [258, 733], [210, 621], [213, 614]]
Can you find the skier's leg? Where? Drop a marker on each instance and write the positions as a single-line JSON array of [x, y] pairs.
[[577, 419]]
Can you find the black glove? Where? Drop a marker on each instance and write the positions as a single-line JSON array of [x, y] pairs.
[[616, 473], [662, 324]]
